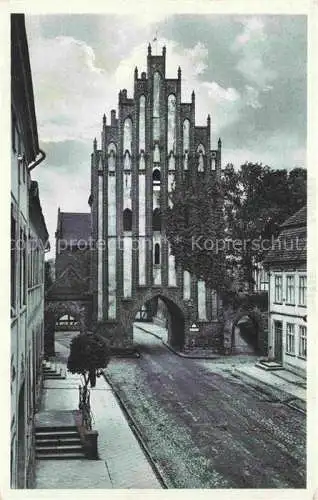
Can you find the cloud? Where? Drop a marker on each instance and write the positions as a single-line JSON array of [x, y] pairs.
[[249, 46], [269, 151], [69, 88], [73, 92], [248, 73], [253, 28], [64, 188], [252, 97]]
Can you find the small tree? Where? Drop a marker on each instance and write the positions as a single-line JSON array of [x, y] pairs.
[[88, 354]]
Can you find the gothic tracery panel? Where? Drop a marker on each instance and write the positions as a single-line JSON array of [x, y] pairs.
[[201, 153], [142, 123], [127, 135], [156, 105], [111, 150], [171, 131]]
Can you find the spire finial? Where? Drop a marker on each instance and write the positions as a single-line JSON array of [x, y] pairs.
[[193, 95], [149, 49], [219, 142], [136, 72], [164, 50], [104, 119], [179, 72], [95, 144]]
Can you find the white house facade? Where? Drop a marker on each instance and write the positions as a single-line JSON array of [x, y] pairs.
[[287, 266], [29, 240]]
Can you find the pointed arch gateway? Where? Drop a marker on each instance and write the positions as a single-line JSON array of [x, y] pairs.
[[68, 295], [176, 320]]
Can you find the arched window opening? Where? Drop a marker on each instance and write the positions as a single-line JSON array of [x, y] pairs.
[[156, 177], [186, 135], [142, 163], [171, 139], [127, 219], [111, 151], [201, 153], [156, 154], [127, 161], [213, 160], [171, 162], [157, 254], [156, 220]]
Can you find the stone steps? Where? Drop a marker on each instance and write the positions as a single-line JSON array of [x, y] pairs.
[[56, 440], [64, 456], [269, 365], [51, 371], [58, 443]]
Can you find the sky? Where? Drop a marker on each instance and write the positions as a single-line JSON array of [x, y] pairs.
[[248, 72]]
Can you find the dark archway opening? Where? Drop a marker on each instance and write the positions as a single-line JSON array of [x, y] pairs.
[[245, 335], [63, 336], [157, 254], [156, 220], [156, 177], [70, 315], [127, 219], [164, 320]]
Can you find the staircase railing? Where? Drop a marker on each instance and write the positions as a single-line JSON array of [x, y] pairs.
[[85, 407]]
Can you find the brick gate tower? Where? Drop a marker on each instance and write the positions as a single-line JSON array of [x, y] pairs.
[[151, 145]]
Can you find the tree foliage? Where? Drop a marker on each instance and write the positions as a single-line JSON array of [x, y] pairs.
[[257, 201], [194, 224], [237, 213], [88, 353]]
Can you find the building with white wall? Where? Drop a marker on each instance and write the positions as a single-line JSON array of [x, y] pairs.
[[29, 240], [286, 263]]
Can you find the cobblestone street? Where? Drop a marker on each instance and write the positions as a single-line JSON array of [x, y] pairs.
[[205, 429]]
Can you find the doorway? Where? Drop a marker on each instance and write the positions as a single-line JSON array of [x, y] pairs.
[[278, 340]]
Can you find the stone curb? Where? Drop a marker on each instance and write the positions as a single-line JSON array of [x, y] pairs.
[[180, 354], [268, 389], [137, 433]]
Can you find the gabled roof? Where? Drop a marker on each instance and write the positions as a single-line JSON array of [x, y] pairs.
[[291, 245], [297, 219], [22, 98], [74, 226], [68, 283]]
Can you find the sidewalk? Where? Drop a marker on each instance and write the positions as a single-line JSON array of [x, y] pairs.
[[284, 383], [121, 464]]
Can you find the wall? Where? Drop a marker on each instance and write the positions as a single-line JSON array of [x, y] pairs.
[[19, 332], [26, 294], [132, 148], [287, 313]]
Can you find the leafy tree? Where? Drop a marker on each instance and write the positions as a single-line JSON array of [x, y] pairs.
[[88, 354], [216, 228], [194, 227], [257, 201]]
